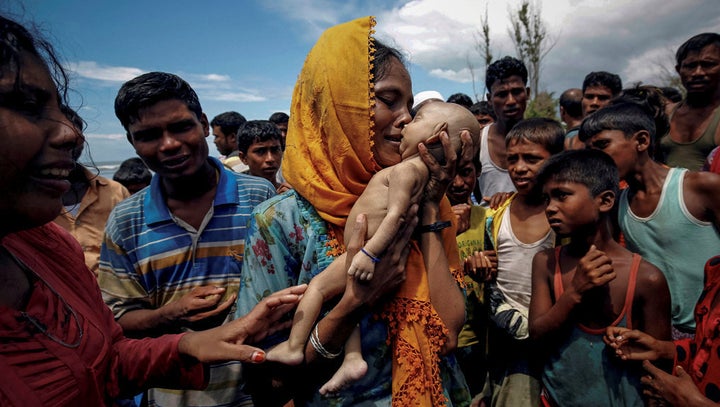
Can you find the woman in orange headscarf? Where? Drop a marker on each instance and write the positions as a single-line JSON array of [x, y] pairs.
[[350, 103]]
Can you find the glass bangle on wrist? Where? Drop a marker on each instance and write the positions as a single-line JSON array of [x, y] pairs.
[[435, 227]]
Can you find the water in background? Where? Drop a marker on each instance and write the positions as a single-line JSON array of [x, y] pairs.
[[105, 168]]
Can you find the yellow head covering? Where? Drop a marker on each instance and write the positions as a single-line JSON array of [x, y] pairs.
[[328, 158], [329, 161]]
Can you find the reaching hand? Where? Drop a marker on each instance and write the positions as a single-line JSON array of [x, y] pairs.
[[678, 390], [200, 303], [227, 342], [637, 345], [496, 200], [482, 266]]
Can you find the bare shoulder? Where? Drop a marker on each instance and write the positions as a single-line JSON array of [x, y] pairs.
[[703, 182], [650, 278], [544, 262]]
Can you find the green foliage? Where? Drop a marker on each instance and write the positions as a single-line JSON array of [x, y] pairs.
[[543, 105]]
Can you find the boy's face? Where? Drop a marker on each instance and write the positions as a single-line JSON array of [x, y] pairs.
[[423, 125], [524, 159], [463, 184], [263, 159], [170, 138], [569, 206], [622, 149]]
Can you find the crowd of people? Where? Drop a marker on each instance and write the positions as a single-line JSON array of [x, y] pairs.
[[370, 248]]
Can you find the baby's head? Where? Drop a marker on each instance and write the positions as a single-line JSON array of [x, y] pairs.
[[434, 117]]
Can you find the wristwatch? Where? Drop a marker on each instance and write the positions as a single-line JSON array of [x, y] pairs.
[[435, 227]]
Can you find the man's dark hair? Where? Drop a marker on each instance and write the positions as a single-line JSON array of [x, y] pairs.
[[460, 99], [542, 131], [627, 116], [602, 78], [279, 118], [229, 122], [503, 69], [149, 89], [484, 108], [132, 171], [257, 131], [592, 168], [571, 102], [696, 44]]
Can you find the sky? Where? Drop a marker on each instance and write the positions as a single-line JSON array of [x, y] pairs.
[[245, 55]]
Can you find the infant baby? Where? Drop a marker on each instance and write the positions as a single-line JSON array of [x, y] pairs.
[[385, 201]]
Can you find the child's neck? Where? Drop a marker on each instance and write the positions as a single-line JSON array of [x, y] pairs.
[[598, 234], [649, 176]]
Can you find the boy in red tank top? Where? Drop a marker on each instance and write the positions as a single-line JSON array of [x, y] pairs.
[[581, 288]]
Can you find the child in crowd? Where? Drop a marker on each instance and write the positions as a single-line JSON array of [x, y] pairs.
[[517, 230], [260, 147], [581, 288], [385, 200], [670, 216]]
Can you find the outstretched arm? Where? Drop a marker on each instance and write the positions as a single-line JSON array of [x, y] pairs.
[[679, 390]]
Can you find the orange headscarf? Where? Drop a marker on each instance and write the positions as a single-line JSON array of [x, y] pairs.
[[329, 161]]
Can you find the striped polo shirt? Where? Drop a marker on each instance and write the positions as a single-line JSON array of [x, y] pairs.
[[150, 258]]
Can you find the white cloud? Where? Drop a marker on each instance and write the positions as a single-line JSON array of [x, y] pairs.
[[232, 97], [99, 136], [93, 70]]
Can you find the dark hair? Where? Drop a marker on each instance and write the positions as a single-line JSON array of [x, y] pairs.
[[627, 116], [571, 102], [671, 93], [503, 69], [460, 99], [539, 130], [256, 131], [279, 118], [602, 78], [651, 99], [149, 89], [696, 43], [592, 168], [229, 122], [16, 39], [484, 108], [381, 57], [132, 171]]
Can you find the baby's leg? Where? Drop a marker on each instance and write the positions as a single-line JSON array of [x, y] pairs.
[[323, 287], [353, 366]]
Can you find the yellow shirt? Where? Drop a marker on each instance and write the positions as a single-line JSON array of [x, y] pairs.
[[88, 226]]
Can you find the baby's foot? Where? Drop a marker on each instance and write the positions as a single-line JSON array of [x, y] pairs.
[[352, 368], [283, 353]]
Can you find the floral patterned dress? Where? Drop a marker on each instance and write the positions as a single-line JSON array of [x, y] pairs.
[[287, 244]]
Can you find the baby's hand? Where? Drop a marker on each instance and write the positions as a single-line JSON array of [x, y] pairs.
[[362, 266]]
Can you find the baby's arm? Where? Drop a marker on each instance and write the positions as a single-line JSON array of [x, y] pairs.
[[404, 182], [325, 286]]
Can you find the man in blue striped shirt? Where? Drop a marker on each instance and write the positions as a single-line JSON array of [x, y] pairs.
[[172, 253]]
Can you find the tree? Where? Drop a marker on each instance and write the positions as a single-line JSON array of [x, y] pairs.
[[482, 45], [531, 40], [543, 105]]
